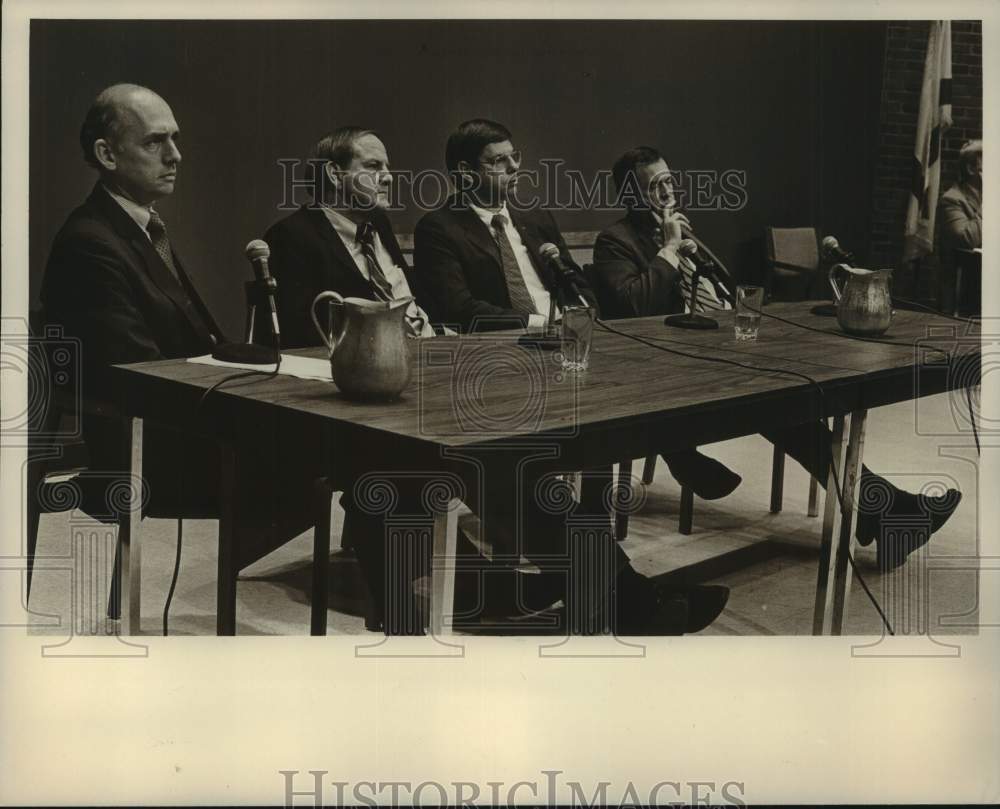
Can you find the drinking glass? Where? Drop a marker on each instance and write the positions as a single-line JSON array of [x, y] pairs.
[[749, 301], [576, 336]]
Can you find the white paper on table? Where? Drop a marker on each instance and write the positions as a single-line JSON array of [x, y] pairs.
[[291, 365]]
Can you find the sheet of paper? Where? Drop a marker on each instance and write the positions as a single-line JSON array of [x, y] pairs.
[[292, 365]]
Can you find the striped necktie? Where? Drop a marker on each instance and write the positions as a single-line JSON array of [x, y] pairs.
[[158, 236], [380, 285], [520, 299]]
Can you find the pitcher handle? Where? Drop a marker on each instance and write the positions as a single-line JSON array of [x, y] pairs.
[[833, 280], [329, 341]]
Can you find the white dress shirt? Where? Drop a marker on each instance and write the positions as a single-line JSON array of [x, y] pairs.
[[139, 213], [348, 232], [536, 289]]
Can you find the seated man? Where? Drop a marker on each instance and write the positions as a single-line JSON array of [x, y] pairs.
[[961, 210], [639, 272], [343, 240], [115, 282], [478, 257]]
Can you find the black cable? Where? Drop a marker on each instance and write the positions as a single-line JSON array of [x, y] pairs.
[[972, 418], [180, 466], [819, 390], [173, 580], [970, 321]]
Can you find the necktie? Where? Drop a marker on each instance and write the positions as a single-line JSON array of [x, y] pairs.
[[381, 287], [380, 284], [158, 236], [520, 299]]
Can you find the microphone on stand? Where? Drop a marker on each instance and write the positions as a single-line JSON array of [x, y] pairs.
[[704, 266], [834, 253], [565, 277], [257, 291]]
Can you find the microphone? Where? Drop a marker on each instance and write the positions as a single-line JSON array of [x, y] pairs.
[[707, 267], [832, 250], [565, 276], [258, 252], [263, 285]]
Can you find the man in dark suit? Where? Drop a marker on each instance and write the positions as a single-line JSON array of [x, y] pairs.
[[961, 210], [639, 272], [479, 256], [479, 259], [342, 240], [114, 281]]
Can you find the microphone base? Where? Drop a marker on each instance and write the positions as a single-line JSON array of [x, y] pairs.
[[824, 310], [245, 354], [691, 322], [544, 342]]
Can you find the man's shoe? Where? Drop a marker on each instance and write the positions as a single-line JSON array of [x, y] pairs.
[[676, 612], [899, 520], [706, 477]]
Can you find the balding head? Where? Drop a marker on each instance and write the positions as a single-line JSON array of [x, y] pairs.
[[130, 137], [107, 116]]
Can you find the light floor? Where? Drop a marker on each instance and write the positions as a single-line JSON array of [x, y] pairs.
[[914, 444]]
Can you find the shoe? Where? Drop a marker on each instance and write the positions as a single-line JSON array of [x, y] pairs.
[[706, 477], [675, 611], [883, 510]]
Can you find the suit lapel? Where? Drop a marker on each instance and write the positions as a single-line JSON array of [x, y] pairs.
[[338, 250], [479, 234], [157, 271]]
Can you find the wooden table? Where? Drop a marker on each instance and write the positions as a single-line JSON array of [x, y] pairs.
[[481, 397]]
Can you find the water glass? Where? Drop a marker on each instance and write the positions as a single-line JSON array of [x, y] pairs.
[[576, 336], [749, 301]]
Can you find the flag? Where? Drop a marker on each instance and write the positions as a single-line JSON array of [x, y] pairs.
[[932, 119]]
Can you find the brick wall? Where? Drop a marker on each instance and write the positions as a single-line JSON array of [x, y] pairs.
[[905, 49]]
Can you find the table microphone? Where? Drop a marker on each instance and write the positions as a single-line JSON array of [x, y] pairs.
[[832, 251], [704, 266], [262, 287]]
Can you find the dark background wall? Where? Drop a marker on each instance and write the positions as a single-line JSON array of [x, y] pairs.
[[793, 104]]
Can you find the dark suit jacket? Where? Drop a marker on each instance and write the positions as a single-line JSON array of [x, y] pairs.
[[108, 288], [308, 257], [459, 271], [961, 218], [630, 280]]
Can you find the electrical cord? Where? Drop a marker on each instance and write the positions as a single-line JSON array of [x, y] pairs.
[[180, 466], [767, 369]]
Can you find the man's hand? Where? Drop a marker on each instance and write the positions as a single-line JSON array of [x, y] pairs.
[[671, 220]]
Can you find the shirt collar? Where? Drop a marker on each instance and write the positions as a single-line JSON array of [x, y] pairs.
[[487, 216], [138, 213], [346, 228]]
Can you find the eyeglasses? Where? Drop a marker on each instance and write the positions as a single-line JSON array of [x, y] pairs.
[[514, 158]]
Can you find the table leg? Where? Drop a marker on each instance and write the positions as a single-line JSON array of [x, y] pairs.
[[443, 569], [849, 488], [831, 518], [129, 559], [321, 558], [838, 526], [225, 622]]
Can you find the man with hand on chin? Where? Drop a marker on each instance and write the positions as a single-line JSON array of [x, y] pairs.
[[639, 273]]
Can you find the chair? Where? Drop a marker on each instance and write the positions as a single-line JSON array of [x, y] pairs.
[[792, 267], [968, 283], [686, 517]]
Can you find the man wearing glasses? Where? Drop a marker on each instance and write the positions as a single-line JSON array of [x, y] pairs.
[[478, 256], [639, 273]]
